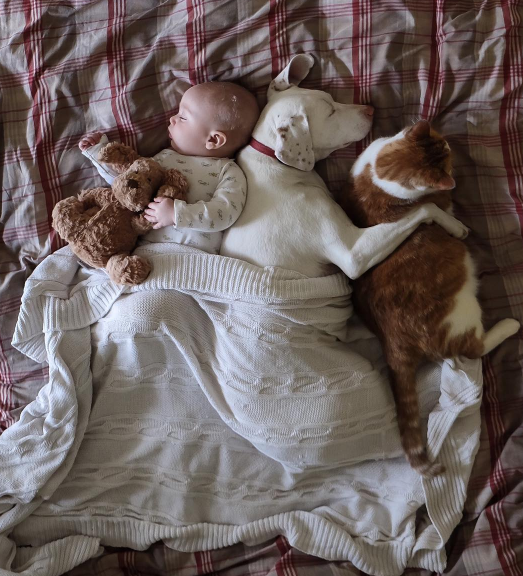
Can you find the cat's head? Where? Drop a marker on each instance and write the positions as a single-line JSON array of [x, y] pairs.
[[415, 162]]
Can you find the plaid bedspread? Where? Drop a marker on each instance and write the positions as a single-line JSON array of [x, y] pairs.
[[69, 67]]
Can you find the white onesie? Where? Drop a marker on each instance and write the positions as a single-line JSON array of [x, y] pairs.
[[216, 197]]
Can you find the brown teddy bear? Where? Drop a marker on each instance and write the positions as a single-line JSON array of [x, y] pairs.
[[103, 224]]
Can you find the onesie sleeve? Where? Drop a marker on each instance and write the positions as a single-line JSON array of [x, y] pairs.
[[106, 172], [222, 210]]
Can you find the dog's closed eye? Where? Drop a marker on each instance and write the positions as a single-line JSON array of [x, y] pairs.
[[331, 106]]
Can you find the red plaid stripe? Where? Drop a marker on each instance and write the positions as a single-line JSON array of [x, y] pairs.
[[275, 558], [121, 65], [117, 75], [40, 114]]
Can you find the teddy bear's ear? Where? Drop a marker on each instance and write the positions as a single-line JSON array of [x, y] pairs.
[[118, 156]]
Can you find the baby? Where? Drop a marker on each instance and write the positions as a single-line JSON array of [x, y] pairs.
[[214, 120]]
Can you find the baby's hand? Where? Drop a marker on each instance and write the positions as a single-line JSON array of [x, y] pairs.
[[90, 140], [160, 212]]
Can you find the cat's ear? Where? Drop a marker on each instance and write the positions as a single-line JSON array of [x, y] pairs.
[[446, 182], [419, 131]]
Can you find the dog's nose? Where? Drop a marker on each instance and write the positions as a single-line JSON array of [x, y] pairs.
[[369, 111], [132, 183]]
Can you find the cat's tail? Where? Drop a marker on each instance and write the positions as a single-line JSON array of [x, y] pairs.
[[403, 380]]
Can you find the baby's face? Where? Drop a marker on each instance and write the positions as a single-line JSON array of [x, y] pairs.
[[191, 128]]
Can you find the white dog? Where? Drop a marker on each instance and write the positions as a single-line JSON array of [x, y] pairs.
[[290, 219]]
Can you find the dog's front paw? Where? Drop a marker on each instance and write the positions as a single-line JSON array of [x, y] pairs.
[[464, 231], [456, 228], [451, 225]]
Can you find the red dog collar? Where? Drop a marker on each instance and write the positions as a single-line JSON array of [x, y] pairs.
[[262, 148]]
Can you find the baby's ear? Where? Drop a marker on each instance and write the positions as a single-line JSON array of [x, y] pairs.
[[215, 140], [294, 143]]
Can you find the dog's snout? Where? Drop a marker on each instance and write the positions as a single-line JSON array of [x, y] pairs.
[[369, 111], [132, 183]]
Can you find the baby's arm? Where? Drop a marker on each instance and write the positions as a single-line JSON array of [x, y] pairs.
[[215, 215], [91, 151]]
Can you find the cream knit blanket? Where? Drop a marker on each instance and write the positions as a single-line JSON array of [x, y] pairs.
[[219, 402]]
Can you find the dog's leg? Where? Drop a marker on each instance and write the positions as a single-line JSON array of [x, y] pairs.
[[358, 249]]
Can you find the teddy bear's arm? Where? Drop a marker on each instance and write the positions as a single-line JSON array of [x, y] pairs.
[[140, 224], [96, 197], [174, 186]]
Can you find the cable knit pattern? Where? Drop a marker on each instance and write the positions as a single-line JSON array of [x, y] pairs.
[[219, 402]]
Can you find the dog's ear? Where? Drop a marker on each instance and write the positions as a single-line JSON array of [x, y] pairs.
[[294, 143], [295, 71]]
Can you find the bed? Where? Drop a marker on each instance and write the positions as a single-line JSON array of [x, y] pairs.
[[120, 66]]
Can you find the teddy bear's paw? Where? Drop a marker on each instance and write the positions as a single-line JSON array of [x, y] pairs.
[[128, 270], [171, 192]]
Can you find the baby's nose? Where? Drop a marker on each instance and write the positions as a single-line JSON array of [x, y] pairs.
[[172, 120]]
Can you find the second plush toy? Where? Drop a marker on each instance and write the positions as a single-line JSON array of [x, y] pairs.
[[103, 224]]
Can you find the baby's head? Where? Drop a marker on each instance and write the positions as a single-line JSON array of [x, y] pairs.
[[214, 119]]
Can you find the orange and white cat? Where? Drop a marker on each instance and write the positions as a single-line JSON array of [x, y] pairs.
[[421, 301]]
